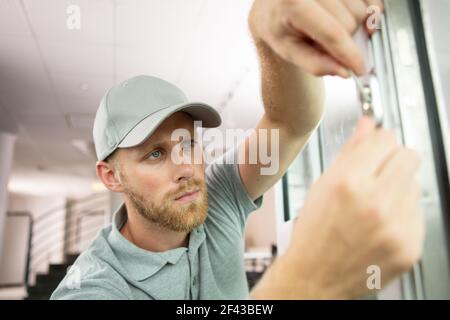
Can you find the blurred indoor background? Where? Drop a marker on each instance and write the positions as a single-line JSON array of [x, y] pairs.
[[52, 77]]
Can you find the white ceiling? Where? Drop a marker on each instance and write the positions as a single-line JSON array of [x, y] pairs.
[[52, 78]]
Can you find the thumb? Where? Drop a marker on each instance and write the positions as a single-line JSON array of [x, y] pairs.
[[364, 127]]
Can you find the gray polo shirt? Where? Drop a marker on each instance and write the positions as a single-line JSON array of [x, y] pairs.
[[211, 267]]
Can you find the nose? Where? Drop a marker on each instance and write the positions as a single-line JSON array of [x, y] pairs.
[[183, 172]]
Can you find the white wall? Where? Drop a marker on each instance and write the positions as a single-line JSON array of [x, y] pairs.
[[15, 249], [37, 206], [7, 141], [49, 234]]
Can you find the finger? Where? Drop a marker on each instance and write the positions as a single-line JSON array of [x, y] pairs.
[[364, 127], [371, 153], [417, 229], [398, 191], [398, 172], [411, 217], [358, 8], [326, 30], [341, 13], [310, 58], [405, 201]]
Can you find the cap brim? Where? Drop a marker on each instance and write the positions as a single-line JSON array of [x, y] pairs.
[[197, 110]]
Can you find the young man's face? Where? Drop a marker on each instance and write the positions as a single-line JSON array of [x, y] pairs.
[[166, 193]]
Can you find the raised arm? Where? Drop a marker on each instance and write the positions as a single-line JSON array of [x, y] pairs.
[[297, 42]]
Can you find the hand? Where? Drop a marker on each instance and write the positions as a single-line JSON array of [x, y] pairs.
[[315, 35], [363, 211]]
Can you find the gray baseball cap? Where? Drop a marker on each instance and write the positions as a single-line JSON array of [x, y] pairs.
[[132, 110]]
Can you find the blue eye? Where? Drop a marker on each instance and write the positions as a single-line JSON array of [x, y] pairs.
[[155, 154]]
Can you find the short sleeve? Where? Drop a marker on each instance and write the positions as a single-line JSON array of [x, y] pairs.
[[89, 290], [228, 199]]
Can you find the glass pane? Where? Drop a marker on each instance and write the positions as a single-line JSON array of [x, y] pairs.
[[305, 169]]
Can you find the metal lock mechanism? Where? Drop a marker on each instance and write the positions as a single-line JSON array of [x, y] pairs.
[[369, 95]]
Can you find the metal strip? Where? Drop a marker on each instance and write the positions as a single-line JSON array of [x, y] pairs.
[[434, 267]]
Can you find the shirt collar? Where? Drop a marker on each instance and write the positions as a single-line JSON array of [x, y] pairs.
[[141, 264]]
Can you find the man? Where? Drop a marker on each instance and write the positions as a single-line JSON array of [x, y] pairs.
[[179, 233]]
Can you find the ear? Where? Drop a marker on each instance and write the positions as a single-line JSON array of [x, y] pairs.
[[106, 172]]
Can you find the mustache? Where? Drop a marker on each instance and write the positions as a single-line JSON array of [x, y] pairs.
[[188, 187]]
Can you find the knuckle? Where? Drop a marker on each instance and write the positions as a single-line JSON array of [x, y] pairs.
[[361, 16], [333, 36], [404, 252], [408, 256], [345, 188], [317, 70], [388, 137], [314, 69], [394, 245], [352, 25], [412, 155], [402, 153], [408, 152], [376, 214], [409, 156]]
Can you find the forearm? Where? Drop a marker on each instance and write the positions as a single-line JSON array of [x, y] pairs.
[[271, 285], [291, 96], [288, 279], [282, 282]]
